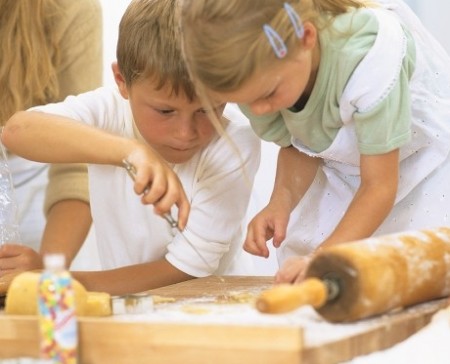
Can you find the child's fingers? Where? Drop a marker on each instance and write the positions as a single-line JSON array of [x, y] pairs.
[[293, 270], [171, 193], [155, 192], [255, 243], [279, 232], [290, 270], [184, 208]]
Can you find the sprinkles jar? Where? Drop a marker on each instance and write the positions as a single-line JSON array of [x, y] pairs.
[[57, 320]]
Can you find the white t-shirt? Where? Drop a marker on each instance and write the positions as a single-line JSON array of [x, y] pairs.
[[218, 182]]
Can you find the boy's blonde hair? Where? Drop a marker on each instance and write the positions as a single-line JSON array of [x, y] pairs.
[[224, 43], [29, 55], [149, 46]]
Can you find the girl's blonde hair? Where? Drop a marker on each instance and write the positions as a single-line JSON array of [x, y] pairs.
[[224, 43], [29, 54]]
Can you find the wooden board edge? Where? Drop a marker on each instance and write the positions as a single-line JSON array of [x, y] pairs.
[[106, 340]]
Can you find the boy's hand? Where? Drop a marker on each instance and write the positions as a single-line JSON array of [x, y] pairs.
[[15, 258], [158, 184], [270, 223]]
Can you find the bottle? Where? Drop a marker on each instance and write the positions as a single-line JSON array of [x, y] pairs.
[[57, 320], [9, 225]]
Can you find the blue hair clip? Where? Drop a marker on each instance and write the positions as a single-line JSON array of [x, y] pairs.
[[295, 20], [277, 43]]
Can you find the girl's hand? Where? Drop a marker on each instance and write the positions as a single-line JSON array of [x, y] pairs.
[[270, 223], [158, 184], [293, 270], [16, 258]]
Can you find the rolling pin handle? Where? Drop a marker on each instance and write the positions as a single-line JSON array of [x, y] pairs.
[[287, 297]]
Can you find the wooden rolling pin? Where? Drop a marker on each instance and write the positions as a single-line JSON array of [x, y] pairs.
[[359, 279]]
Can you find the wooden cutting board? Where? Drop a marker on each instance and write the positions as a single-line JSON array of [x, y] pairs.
[[226, 333]]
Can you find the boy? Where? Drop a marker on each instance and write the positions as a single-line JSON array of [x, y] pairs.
[[155, 122]]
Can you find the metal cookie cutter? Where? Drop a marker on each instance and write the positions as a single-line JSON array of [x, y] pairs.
[[136, 303]]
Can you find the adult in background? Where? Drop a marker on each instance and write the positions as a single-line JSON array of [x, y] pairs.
[[49, 49]]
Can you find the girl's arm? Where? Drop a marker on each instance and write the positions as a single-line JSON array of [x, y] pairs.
[[295, 173], [54, 139], [132, 279], [372, 202]]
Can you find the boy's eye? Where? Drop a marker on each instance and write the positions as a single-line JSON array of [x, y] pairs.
[[164, 111], [216, 109]]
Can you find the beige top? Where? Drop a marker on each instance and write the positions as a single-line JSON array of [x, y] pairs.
[[80, 44]]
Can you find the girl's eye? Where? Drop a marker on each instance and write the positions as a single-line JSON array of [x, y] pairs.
[[270, 95]]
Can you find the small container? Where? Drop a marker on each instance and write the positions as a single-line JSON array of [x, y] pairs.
[[9, 225], [57, 320]]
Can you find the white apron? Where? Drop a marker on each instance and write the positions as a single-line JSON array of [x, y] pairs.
[[423, 198]]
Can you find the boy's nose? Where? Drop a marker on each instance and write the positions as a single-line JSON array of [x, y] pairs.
[[186, 129]]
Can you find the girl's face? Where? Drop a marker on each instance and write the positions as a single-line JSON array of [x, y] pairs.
[[172, 125], [281, 84], [277, 87]]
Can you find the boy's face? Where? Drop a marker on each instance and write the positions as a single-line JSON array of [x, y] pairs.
[[175, 127]]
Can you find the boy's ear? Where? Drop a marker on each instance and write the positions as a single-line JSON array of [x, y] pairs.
[[120, 80]]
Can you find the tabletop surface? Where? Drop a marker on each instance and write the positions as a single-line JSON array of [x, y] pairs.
[[196, 324]]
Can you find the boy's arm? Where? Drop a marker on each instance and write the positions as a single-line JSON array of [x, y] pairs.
[[50, 138], [54, 139], [372, 202], [132, 279]]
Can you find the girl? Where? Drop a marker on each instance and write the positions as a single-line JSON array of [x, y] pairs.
[[356, 94]]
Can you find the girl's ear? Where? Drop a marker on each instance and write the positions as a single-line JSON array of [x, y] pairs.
[[310, 35], [120, 80]]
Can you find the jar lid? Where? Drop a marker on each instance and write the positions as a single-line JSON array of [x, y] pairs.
[[54, 261]]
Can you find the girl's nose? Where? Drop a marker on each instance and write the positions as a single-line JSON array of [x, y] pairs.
[[260, 108]]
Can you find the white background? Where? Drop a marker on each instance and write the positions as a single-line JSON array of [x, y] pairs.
[[434, 14]]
